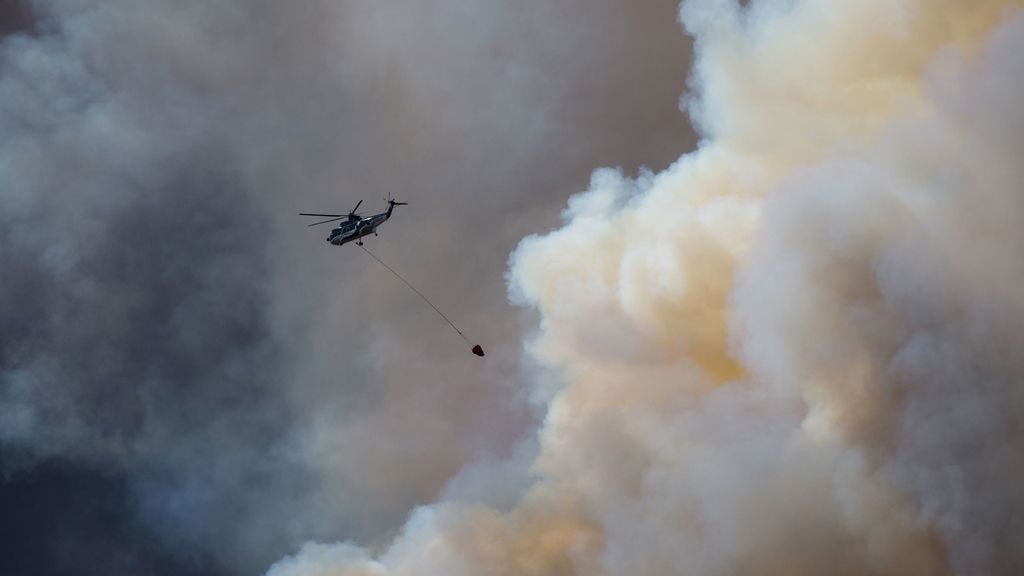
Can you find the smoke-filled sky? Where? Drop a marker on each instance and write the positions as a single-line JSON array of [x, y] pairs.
[[789, 345], [192, 381]]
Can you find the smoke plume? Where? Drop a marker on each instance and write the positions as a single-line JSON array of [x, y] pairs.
[[191, 381], [796, 350]]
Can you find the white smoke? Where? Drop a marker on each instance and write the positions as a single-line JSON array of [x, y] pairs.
[[796, 351]]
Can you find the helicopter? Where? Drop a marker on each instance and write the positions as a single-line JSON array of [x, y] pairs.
[[355, 226]]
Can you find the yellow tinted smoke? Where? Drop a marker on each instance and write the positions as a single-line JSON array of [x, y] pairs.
[[739, 360]]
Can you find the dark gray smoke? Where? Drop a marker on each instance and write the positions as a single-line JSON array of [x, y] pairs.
[[166, 321], [15, 17]]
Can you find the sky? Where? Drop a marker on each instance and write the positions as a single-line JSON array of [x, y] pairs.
[[193, 382], [747, 274]]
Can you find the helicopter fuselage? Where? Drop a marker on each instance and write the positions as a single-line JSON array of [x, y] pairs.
[[355, 229]]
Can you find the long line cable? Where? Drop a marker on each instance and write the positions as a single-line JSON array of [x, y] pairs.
[[425, 299]]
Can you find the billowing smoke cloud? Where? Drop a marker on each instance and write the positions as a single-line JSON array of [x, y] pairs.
[[796, 351], [178, 350]]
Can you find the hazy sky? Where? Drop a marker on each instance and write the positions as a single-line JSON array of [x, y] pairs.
[[191, 379], [789, 347]]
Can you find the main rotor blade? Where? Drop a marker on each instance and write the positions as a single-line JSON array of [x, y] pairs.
[[331, 220], [322, 215], [356, 208]]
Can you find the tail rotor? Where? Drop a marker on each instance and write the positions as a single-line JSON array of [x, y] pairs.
[[392, 202]]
